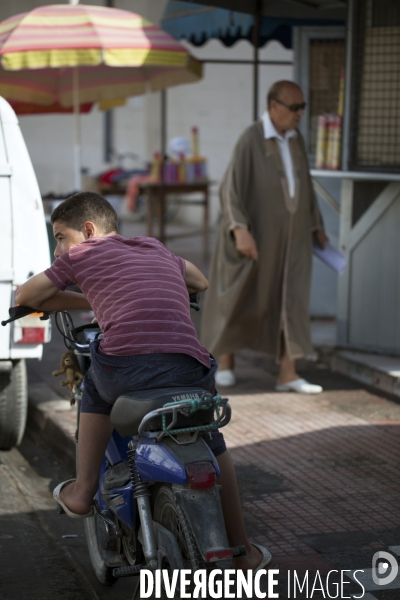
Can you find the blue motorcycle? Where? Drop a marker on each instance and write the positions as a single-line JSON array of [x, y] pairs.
[[157, 505]]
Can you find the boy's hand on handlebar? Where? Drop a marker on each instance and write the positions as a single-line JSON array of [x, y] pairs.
[[194, 279]]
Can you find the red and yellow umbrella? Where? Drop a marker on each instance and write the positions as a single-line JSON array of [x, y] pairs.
[[29, 108], [68, 55]]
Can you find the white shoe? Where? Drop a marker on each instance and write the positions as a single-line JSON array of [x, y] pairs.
[[225, 378], [301, 386]]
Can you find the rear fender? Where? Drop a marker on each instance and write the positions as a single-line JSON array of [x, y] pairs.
[[204, 513], [167, 547], [166, 461], [155, 462]]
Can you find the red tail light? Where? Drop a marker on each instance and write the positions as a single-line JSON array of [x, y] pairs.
[[215, 555], [32, 335], [200, 476]]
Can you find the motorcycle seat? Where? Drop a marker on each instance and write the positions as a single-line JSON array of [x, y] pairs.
[[130, 408]]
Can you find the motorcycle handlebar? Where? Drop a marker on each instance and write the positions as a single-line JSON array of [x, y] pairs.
[[17, 312]]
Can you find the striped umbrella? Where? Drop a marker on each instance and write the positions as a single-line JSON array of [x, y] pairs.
[[74, 54], [29, 108]]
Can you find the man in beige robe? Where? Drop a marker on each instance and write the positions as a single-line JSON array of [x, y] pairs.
[[261, 269]]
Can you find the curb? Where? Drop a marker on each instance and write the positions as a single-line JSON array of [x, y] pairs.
[[52, 419], [359, 368]]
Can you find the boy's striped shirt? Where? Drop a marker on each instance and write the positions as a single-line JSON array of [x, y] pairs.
[[137, 291]]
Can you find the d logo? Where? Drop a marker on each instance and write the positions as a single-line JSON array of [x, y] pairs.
[[387, 566]]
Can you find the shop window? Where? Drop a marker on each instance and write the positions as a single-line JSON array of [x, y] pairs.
[[327, 60], [319, 70], [375, 115]]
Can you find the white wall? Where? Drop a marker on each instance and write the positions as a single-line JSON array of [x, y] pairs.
[[221, 104]]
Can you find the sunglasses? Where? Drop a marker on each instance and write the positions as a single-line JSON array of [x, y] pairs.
[[293, 107]]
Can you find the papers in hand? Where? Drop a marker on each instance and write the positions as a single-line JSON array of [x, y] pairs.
[[335, 259]]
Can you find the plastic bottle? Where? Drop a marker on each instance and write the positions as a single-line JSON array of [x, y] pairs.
[[195, 142], [181, 168], [322, 142], [156, 167]]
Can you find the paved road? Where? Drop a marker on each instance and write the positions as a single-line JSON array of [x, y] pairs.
[[43, 555]]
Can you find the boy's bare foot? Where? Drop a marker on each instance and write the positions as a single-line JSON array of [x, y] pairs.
[[252, 560], [76, 501]]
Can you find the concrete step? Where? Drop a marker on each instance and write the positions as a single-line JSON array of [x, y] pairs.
[[376, 370]]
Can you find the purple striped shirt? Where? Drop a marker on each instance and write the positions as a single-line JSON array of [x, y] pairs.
[[137, 291]]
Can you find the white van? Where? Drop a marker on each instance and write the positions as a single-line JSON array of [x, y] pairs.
[[24, 251]]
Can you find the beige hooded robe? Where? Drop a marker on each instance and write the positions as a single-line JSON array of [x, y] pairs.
[[254, 304]]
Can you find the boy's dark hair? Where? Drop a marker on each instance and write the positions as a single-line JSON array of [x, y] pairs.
[[86, 206]]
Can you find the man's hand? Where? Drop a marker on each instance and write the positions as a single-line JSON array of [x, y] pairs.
[[245, 243], [320, 238]]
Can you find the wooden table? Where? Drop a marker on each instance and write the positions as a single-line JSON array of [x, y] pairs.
[[157, 192]]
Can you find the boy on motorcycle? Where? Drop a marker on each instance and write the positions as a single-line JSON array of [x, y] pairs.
[[138, 291]]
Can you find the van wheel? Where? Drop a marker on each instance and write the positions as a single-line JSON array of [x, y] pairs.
[[13, 405]]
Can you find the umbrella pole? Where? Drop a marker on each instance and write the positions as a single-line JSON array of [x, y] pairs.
[[256, 44], [77, 130], [163, 123]]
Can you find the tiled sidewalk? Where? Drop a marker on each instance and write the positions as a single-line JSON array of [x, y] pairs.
[[318, 475]]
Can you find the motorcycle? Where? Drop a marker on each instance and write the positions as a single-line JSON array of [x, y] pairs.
[[157, 505]]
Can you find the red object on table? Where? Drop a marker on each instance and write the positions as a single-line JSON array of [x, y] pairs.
[[107, 177], [132, 190]]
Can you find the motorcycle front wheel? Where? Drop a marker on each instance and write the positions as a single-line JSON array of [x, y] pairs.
[[103, 573]]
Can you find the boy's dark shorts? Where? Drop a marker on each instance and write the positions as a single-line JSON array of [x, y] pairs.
[[111, 376]]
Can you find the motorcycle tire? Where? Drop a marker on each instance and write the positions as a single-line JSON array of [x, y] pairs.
[[103, 573], [168, 514], [171, 516]]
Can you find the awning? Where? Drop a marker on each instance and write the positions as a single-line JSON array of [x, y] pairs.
[[255, 20], [291, 9], [198, 23]]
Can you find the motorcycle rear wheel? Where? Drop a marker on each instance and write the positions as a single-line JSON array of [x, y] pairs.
[[172, 517], [169, 515]]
